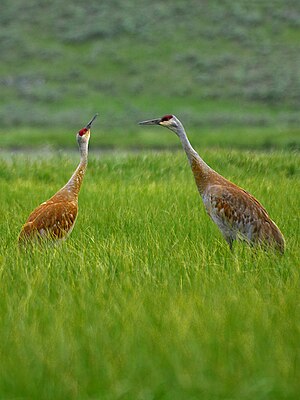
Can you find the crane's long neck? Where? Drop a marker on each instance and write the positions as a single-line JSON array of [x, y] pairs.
[[200, 169], [73, 186]]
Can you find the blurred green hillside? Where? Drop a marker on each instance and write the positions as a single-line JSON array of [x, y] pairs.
[[216, 64]]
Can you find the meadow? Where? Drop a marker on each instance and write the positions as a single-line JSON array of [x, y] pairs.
[[145, 299]]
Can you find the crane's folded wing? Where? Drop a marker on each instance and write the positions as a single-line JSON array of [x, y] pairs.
[[235, 206], [51, 219]]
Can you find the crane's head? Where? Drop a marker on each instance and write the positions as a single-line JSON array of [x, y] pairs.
[[168, 121], [84, 134]]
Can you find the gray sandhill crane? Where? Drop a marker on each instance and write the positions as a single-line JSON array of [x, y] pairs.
[[236, 212], [55, 218]]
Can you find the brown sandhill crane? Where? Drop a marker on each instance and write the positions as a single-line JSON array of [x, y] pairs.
[[236, 212], [55, 218]]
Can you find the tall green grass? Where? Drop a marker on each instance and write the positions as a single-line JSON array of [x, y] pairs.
[[145, 300]]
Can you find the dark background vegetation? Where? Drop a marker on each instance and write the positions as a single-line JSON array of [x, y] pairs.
[[222, 66]]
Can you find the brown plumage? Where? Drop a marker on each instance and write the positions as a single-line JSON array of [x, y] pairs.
[[55, 218], [236, 212]]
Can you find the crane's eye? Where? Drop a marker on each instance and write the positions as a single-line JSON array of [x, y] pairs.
[[82, 131], [166, 118]]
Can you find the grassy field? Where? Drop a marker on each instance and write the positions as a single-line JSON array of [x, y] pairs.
[[145, 300]]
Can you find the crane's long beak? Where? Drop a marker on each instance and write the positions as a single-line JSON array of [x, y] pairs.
[[88, 126], [151, 122]]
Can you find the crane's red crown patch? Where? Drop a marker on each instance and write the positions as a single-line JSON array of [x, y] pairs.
[[83, 131], [167, 117]]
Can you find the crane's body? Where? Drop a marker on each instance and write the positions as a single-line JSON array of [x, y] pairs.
[[237, 213], [55, 218]]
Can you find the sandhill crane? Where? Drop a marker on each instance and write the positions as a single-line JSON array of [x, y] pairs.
[[55, 218], [236, 212]]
